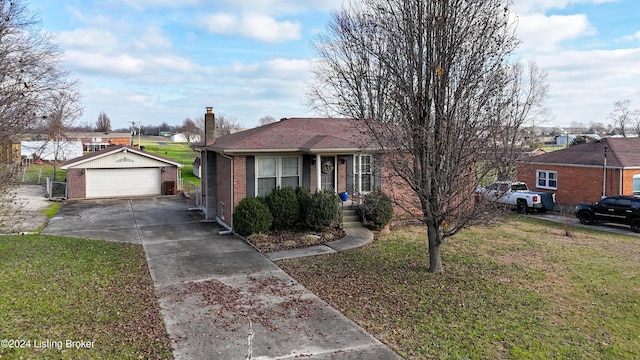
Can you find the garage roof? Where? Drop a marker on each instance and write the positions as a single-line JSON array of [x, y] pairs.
[[85, 160]]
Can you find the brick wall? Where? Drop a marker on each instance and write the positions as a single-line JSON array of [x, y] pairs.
[[342, 176], [239, 183], [406, 203], [76, 184], [170, 174], [224, 187]]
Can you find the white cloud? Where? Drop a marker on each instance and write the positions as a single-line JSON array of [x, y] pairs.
[[254, 26], [278, 7], [152, 37], [630, 38], [87, 38], [547, 33], [101, 63], [174, 63], [146, 4], [585, 84], [528, 6]]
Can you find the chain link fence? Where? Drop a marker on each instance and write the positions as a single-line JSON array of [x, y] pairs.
[[192, 192]]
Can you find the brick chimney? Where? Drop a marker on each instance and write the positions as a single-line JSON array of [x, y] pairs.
[[209, 126]]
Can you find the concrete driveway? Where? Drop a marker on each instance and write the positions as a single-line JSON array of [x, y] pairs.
[[220, 298]]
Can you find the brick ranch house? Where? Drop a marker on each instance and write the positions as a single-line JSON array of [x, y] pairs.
[[577, 174], [315, 153]]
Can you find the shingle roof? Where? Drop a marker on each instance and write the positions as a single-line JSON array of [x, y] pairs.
[[297, 134], [113, 149], [621, 153]]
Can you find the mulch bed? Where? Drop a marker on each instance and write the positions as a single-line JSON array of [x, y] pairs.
[[293, 239]]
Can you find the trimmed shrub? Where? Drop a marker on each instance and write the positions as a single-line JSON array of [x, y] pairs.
[[304, 200], [376, 209], [323, 211], [251, 216], [283, 205]]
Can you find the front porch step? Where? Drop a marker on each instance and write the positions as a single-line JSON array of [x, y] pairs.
[[350, 218]]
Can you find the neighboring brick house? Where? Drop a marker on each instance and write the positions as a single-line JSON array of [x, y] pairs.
[[315, 153], [576, 174], [96, 141]]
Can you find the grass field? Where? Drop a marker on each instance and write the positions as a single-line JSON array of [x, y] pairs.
[[520, 290], [56, 289], [37, 174], [179, 152]]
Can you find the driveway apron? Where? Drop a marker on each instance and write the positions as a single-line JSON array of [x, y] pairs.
[[220, 298]]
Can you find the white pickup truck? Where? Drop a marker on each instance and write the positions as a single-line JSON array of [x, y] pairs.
[[517, 194]]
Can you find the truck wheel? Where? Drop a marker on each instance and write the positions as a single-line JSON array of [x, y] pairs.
[[523, 208], [585, 218], [635, 225]]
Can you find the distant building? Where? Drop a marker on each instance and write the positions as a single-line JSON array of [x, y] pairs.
[[51, 150], [95, 141]]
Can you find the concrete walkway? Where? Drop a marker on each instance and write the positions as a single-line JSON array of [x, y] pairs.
[[220, 298]]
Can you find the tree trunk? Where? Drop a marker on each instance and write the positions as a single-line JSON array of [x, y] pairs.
[[435, 261]]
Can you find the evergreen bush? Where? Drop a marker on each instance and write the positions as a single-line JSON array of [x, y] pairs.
[[251, 216], [283, 205], [377, 210], [304, 200], [323, 211]]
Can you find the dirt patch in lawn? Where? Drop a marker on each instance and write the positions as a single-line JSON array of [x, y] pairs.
[[293, 239]]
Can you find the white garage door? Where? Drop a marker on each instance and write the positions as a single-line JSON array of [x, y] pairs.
[[122, 182]]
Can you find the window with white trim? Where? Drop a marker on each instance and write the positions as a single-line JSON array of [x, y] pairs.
[[636, 184], [363, 176], [276, 171], [546, 179]]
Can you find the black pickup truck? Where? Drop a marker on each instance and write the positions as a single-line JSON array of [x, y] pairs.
[[613, 209]]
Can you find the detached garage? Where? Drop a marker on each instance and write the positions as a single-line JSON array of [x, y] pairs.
[[120, 171]]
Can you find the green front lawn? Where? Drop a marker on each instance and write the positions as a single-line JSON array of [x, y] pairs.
[[520, 290], [95, 294]]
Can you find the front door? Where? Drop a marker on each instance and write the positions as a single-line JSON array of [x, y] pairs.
[[328, 173]]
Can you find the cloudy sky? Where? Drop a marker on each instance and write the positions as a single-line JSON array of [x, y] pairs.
[[154, 61]]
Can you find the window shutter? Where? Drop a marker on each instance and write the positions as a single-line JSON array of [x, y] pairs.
[[306, 171], [251, 176], [350, 188], [377, 171]]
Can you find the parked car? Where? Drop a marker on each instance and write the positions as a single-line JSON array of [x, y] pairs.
[[517, 194], [613, 209]]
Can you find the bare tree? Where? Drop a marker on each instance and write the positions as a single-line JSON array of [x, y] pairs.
[[597, 128], [431, 80], [622, 116], [30, 72], [522, 102], [190, 130], [103, 123], [635, 121], [267, 119], [64, 109], [226, 124]]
